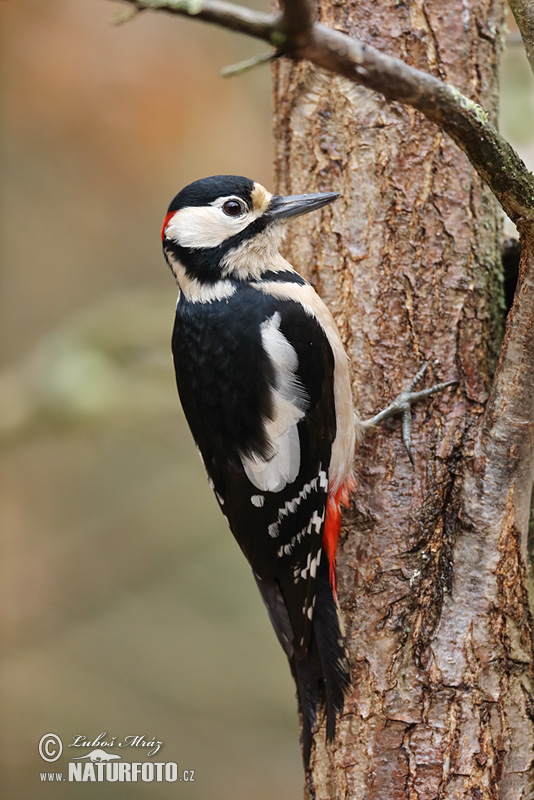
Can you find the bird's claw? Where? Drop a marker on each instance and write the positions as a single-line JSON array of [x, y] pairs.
[[402, 405]]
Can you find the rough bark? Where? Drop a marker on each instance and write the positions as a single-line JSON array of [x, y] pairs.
[[432, 560]]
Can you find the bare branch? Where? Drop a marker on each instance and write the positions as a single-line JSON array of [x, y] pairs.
[[523, 11], [218, 12], [465, 121]]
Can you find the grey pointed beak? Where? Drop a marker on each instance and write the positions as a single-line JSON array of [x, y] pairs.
[[297, 204]]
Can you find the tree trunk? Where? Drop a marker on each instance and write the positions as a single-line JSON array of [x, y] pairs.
[[432, 562]]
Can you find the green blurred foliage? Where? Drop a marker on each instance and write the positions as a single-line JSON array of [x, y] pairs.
[[126, 606]]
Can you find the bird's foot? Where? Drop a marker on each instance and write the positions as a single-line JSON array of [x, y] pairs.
[[402, 405]]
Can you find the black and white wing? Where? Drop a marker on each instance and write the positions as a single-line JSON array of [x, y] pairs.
[[257, 390]]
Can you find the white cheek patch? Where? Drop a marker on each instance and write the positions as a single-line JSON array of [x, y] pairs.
[[201, 227], [290, 402], [198, 227]]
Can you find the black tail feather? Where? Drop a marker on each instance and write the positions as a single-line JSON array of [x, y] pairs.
[[320, 668], [332, 653], [309, 697], [323, 676]]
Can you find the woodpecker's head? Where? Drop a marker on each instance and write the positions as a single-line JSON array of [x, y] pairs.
[[228, 227]]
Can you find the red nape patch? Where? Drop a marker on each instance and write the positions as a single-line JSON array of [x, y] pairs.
[[166, 222], [332, 527]]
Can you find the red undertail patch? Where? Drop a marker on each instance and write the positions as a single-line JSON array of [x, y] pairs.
[[332, 526]]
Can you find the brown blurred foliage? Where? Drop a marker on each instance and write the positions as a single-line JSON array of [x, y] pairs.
[[126, 606]]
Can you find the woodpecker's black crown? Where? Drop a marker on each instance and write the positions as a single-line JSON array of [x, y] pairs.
[[206, 190]]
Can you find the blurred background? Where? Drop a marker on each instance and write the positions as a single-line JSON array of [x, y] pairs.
[[125, 605]]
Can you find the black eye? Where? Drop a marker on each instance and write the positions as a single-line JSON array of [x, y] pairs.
[[233, 208]]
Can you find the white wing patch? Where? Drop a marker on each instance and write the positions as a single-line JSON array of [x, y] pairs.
[[341, 464], [290, 402]]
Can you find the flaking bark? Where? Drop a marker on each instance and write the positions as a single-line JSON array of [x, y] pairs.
[[432, 563]]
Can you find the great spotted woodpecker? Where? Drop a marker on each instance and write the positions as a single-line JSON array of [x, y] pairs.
[[264, 383]]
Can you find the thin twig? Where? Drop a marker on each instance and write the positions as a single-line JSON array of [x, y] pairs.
[[250, 63], [125, 16]]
